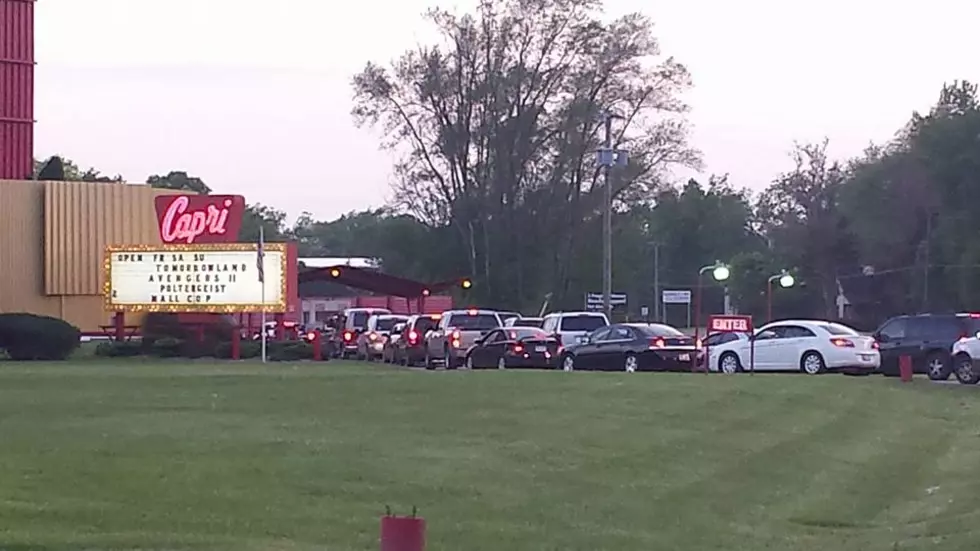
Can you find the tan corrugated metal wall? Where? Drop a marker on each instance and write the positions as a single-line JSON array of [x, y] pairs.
[[52, 239]]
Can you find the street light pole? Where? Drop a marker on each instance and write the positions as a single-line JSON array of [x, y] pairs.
[[785, 281], [720, 272]]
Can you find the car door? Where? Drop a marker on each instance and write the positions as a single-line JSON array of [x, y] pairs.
[[788, 348], [587, 355], [487, 352], [891, 344], [765, 354], [612, 349]]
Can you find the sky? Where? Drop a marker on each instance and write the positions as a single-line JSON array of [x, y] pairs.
[[254, 96]]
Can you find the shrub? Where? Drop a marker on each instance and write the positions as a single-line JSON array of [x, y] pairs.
[[166, 347], [119, 349], [160, 325], [248, 350], [289, 351], [28, 337]]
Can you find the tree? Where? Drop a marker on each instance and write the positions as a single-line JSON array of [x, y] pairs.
[[496, 130], [272, 221], [72, 173], [403, 244], [800, 216], [179, 180]]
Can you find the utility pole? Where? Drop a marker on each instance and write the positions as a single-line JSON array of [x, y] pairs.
[[608, 158], [656, 281], [607, 225], [925, 267]]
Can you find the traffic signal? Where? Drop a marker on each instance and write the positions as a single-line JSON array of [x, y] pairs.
[[466, 283], [335, 272]]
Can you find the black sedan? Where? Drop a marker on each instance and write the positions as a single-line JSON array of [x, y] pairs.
[[631, 347], [513, 347]]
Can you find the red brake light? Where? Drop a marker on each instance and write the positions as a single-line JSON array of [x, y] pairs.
[[975, 316], [518, 349], [456, 336], [373, 336], [348, 335], [874, 345], [472, 312], [658, 342], [310, 336], [842, 343], [413, 336]]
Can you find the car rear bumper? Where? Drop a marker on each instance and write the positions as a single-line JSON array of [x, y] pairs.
[[532, 361], [860, 361]]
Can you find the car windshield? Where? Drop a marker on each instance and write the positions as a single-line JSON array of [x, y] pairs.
[[474, 322], [518, 333], [526, 322], [838, 329], [582, 323], [386, 324]]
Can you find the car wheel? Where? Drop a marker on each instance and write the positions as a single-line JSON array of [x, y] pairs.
[[630, 363], [937, 366], [429, 364], [568, 363], [965, 373], [729, 363], [812, 363], [449, 359], [468, 362], [502, 363]]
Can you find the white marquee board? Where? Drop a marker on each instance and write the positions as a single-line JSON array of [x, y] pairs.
[[195, 278]]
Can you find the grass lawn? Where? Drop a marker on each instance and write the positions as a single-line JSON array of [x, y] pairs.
[[96, 455]]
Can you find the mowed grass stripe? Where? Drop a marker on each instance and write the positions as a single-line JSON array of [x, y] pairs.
[[162, 456]]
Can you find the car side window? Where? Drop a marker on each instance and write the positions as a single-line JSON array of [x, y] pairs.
[[495, 336], [600, 335], [894, 329], [796, 331], [622, 333]]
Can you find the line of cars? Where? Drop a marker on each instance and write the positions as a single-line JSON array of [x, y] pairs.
[[939, 345]]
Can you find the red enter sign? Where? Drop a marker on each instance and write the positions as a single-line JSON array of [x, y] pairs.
[[730, 324]]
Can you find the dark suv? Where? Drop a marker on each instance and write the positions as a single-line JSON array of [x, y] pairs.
[[927, 339]]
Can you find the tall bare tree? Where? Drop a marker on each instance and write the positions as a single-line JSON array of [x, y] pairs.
[[496, 126]]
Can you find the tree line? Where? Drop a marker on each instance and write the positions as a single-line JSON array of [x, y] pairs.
[[494, 132]]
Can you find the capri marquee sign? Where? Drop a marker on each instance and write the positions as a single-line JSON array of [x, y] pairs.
[[215, 278]]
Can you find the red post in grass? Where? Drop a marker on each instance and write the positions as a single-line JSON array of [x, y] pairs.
[[402, 533], [905, 368], [236, 343], [317, 352]]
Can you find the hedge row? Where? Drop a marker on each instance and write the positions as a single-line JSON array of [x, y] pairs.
[[27, 337], [169, 347]]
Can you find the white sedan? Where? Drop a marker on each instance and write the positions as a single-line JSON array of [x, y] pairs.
[[810, 346]]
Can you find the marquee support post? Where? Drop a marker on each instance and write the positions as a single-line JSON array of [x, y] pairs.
[[236, 343], [119, 326], [280, 319]]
